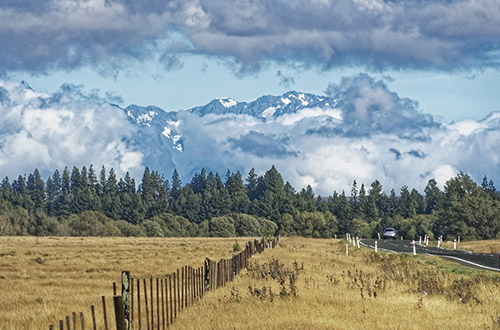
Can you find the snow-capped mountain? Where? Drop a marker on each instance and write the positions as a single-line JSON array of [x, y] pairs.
[[265, 106], [359, 130]]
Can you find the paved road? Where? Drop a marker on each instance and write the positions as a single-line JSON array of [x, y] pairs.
[[479, 260]]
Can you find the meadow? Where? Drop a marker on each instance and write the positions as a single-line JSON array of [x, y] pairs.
[[302, 284], [485, 246]]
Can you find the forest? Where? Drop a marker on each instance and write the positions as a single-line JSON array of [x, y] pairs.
[[82, 202]]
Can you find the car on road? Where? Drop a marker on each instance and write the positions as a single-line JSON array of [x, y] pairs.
[[389, 233]]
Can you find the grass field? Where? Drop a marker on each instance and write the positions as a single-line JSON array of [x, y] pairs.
[[43, 279], [489, 246]]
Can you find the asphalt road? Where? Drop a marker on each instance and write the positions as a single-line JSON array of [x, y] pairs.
[[478, 260]]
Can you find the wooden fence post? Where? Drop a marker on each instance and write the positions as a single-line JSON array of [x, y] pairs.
[[119, 316], [131, 303], [158, 303], [152, 304], [126, 298], [178, 293], [207, 274], [94, 325], [138, 289], [170, 298], [165, 279], [82, 321], [162, 304], [104, 313], [146, 302]]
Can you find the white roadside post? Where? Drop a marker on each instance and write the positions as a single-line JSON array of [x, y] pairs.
[[427, 241], [378, 235], [458, 239], [347, 250], [375, 246], [454, 244], [439, 241], [357, 241], [353, 240], [414, 248], [401, 237], [420, 240]]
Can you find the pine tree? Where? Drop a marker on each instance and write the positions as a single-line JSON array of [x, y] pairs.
[[199, 182], [252, 183], [176, 184], [36, 190], [305, 200], [354, 202], [375, 201], [147, 189], [111, 203], [407, 207], [101, 186], [21, 196], [6, 189], [239, 200]]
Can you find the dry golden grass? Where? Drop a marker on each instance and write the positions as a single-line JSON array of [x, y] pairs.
[[329, 298], [487, 246], [43, 279]]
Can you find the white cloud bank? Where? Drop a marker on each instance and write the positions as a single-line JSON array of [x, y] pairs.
[[366, 132], [64, 129], [371, 133]]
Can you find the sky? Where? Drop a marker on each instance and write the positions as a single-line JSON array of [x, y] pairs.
[[442, 55]]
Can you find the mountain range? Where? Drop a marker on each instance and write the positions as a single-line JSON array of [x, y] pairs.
[[358, 130]]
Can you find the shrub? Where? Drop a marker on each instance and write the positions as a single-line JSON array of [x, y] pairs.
[[91, 223], [236, 247]]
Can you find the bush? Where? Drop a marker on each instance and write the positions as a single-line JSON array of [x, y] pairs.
[[91, 223], [236, 247], [153, 228], [222, 227], [127, 229], [250, 225]]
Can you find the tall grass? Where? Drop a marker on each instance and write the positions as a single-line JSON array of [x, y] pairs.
[[362, 291], [302, 284], [489, 246], [43, 279]]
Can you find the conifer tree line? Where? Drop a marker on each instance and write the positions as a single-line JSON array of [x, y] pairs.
[[86, 202]]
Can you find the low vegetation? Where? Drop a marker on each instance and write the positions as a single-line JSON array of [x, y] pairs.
[[487, 246], [302, 284], [364, 290]]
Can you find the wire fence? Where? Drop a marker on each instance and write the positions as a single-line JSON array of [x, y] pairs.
[[156, 302]]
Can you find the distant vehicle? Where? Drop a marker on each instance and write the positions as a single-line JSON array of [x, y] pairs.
[[389, 233]]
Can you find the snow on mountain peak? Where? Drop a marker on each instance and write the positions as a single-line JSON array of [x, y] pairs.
[[143, 119], [286, 100], [227, 102], [269, 112], [302, 99]]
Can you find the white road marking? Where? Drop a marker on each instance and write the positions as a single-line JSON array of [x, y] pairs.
[[437, 255]]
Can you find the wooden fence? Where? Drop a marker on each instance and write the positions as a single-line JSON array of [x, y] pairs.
[[155, 303]]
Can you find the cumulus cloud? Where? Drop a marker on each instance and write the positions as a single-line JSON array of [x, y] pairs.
[[64, 34], [369, 105], [67, 128]]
